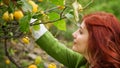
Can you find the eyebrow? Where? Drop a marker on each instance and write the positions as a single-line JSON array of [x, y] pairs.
[[81, 27]]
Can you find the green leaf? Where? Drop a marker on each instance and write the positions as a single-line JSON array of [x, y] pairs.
[[57, 2], [36, 27], [53, 16], [26, 6], [12, 52], [24, 23], [11, 7], [61, 25], [41, 65], [37, 15]]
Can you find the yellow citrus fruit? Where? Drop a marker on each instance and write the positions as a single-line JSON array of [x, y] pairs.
[[42, 12], [61, 7], [31, 2], [40, 0], [38, 60], [32, 66], [45, 17], [11, 17], [7, 17], [52, 65], [7, 61], [18, 14], [25, 40], [34, 6]]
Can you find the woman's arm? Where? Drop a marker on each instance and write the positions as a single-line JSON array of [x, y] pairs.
[[60, 52]]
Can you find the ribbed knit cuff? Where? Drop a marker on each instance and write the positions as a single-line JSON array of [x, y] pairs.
[[38, 33]]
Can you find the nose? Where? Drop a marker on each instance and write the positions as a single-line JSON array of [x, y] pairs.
[[74, 34]]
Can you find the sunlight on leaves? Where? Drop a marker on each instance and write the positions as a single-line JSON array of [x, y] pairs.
[[61, 25]]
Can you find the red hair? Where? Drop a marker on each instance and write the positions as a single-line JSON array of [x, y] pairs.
[[104, 40]]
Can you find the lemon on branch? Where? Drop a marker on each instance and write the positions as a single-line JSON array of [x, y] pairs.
[[18, 14], [34, 6], [61, 7], [7, 61], [40, 0], [45, 17], [11, 16], [38, 60], [25, 40], [32, 66], [52, 65], [7, 16]]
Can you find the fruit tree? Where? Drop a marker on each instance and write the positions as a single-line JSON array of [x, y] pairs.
[[15, 16]]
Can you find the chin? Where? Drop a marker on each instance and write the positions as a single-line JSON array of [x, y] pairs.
[[74, 48]]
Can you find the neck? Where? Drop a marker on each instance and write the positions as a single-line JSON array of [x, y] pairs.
[[87, 58]]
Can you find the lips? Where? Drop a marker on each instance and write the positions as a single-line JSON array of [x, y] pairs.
[[74, 42]]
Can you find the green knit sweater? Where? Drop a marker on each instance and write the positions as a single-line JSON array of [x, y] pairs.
[[60, 52]]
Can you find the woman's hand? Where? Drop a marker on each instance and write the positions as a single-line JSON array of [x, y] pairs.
[[37, 33]]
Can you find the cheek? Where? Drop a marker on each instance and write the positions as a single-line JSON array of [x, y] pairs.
[[81, 45], [76, 47], [81, 41]]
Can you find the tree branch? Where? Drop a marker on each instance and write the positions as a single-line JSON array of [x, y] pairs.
[[14, 36], [61, 14], [51, 9], [9, 57], [5, 30], [61, 17], [31, 24], [6, 49], [88, 4]]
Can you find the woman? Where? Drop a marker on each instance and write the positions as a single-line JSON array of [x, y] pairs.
[[96, 43]]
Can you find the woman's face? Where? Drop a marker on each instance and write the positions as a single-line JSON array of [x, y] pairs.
[[80, 39]]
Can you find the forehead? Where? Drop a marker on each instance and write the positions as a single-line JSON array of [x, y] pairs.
[[83, 25]]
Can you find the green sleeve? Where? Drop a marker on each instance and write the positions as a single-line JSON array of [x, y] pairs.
[[60, 52]]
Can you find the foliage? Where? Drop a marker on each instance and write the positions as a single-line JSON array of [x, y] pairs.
[[15, 17], [110, 6]]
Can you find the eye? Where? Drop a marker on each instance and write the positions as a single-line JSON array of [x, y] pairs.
[[80, 31]]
